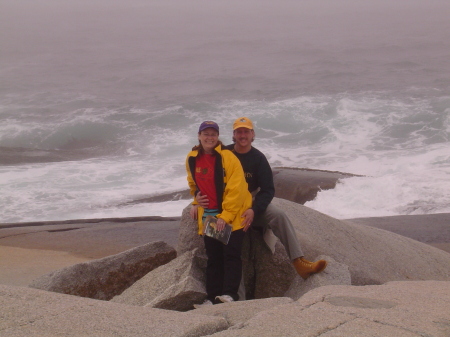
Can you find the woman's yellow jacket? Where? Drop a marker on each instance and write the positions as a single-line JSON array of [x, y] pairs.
[[233, 196]]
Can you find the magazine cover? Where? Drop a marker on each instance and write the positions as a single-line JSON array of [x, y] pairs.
[[209, 229]]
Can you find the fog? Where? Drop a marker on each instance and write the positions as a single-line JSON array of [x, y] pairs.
[[166, 50]]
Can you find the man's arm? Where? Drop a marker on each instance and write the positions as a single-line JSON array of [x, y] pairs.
[[259, 178], [202, 199], [266, 187]]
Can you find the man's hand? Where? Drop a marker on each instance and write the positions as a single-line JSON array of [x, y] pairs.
[[202, 199], [194, 212], [248, 216]]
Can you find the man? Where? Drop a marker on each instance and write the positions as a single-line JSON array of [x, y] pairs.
[[258, 175]]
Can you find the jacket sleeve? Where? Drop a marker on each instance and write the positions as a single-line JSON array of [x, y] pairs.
[[266, 187], [190, 179], [236, 188]]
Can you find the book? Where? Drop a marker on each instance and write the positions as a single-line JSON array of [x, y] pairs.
[[209, 229]]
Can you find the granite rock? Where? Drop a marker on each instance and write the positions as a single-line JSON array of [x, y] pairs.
[[107, 277], [301, 185], [188, 238], [31, 312], [373, 256], [335, 274], [238, 313], [175, 286], [405, 308], [358, 255], [265, 274], [401, 308]]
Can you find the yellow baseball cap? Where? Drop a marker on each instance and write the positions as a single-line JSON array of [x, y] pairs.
[[243, 122]]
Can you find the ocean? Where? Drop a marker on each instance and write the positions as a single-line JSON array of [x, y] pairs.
[[100, 101]]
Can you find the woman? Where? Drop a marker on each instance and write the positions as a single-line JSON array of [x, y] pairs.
[[216, 172]]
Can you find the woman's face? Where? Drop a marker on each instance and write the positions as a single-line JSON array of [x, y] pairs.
[[208, 138]]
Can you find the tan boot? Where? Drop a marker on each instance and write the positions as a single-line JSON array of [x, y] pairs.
[[305, 268]]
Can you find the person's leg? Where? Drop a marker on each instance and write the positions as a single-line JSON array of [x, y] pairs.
[[282, 227], [214, 268], [233, 264], [275, 219], [241, 292]]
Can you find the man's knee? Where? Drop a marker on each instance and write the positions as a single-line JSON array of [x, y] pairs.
[[274, 215]]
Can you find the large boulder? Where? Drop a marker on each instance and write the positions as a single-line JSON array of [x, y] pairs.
[[301, 185], [107, 277], [335, 274], [31, 312], [358, 254], [238, 313], [188, 238], [414, 308], [373, 256], [265, 274], [175, 286]]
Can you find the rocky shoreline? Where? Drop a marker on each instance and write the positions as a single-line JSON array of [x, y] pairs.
[[380, 270], [390, 309]]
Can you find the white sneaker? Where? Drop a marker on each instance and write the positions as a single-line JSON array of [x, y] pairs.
[[225, 298], [204, 304]]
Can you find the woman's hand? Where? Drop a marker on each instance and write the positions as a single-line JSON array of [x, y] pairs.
[[220, 224], [194, 212]]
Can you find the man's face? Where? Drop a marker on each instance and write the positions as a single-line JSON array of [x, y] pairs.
[[243, 136]]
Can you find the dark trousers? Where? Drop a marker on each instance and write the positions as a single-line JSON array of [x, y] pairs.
[[224, 267]]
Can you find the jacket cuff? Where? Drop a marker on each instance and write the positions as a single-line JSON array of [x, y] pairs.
[[228, 217]]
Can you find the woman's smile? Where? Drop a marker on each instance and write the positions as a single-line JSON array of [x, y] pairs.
[[208, 138]]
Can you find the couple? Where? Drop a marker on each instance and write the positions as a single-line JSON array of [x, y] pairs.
[[222, 180]]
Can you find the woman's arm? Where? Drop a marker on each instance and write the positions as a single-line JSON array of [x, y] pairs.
[[236, 188], [190, 161], [193, 212]]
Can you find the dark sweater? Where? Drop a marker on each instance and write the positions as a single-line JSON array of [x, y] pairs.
[[258, 174]]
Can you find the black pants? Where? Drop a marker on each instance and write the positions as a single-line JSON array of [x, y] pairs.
[[224, 267]]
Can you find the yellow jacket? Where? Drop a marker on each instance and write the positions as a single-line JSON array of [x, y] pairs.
[[233, 196]]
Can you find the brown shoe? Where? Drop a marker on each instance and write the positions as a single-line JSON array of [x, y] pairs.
[[306, 268]]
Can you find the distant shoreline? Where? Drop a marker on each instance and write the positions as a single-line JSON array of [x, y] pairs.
[[431, 229], [83, 221], [427, 228]]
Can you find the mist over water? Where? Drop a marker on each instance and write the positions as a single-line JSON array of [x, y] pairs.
[[100, 101]]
